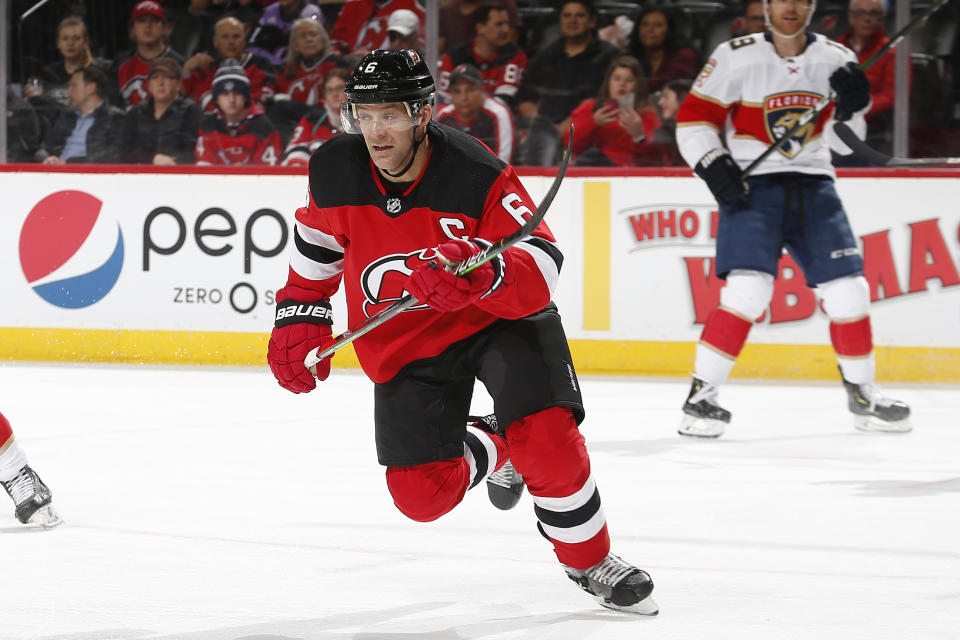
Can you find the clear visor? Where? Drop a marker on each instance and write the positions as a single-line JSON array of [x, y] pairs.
[[358, 118]]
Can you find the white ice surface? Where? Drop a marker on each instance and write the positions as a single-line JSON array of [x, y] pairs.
[[209, 504]]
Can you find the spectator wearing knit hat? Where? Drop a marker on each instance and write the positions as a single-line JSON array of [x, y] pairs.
[[162, 129], [238, 132], [148, 31]]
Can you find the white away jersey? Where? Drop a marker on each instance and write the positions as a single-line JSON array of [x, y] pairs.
[[747, 89]]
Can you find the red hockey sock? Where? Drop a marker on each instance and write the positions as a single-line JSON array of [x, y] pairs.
[[852, 339], [726, 332], [6, 434]]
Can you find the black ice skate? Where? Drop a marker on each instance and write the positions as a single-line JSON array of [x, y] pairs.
[[873, 411], [617, 585], [505, 485], [703, 417], [32, 499]]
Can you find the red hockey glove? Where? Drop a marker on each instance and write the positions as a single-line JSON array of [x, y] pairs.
[[444, 290], [299, 327]]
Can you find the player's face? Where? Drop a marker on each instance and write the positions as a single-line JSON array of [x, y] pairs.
[[622, 82], [307, 40], [789, 16], [468, 99], [866, 18], [229, 40], [653, 30], [71, 42], [233, 105], [496, 29], [162, 87], [147, 30], [668, 103], [575, 20], [386, 130]]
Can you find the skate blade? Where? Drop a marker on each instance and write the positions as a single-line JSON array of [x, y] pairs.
[[46, 517], [870, 424], [646, 607], [701, 427]]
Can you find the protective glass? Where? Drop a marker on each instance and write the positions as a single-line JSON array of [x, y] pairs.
[[356, 119]]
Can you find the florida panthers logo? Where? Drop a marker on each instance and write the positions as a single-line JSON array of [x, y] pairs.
[[782, 110], [382, 280]]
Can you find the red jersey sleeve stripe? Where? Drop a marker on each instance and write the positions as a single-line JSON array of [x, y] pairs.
[[697, 108]]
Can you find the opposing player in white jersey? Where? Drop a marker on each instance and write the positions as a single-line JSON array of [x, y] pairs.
[[752, 89]]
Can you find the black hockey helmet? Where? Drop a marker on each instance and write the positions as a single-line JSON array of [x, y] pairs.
[[388, 76]]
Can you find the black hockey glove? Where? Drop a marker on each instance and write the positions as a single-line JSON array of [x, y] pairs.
[[852, 89], [722, 175]]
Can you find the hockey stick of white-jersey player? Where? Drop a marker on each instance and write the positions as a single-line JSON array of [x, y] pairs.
[[813, 113], [879, 159], [314, 357]]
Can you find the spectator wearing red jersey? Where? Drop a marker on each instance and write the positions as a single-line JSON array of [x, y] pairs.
[[612, 129], [361, 26], [309, 58], [501, 62], [656, 44], [319, 125], [238, 132], [473, 111], [148, 30], [229, 42]]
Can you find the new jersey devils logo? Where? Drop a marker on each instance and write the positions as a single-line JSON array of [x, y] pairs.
[[782, 110], [382, 280]]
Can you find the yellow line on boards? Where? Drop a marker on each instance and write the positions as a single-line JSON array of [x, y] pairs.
[[596, 252]]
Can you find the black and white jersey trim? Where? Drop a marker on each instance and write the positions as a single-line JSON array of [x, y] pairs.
[[318, 256], [548, 257], [574, 518]]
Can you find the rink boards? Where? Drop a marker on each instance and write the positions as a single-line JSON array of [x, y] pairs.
[[121, 265]]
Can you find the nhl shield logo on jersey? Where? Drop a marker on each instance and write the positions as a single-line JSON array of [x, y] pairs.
[[782, 110], [393, 205]]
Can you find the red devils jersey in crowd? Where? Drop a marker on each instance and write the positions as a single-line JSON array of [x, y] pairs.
[[253, 140], [493, 126], [313, 130], [501, 73], [463, 192], [130, 71], [362, 24], [258, 70], [306, 85]]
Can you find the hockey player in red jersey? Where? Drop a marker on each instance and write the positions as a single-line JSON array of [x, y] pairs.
[[387, 208], [31, 497], [755, 87], [238, 132]]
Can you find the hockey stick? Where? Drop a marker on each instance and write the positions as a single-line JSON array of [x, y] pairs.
[[880, 159], [813, 113], [313, 357]]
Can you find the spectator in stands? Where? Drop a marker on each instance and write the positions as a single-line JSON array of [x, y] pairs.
[[229, 42], [88, 132], [361, 26], [309, 58], [238, 132], [24, 131], [613, 129], [473, 111], [319, 125], [456, 22], [73, 42], [148, 29], [665, 138], [567, 71], [752, 20], [270, 38], [162, 129], [501, 62], [656, 44], [403, 31], [865, 37]]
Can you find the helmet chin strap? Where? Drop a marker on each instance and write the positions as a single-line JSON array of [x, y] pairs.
[[413, 156]]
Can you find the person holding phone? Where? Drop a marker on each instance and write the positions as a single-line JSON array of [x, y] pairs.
[[611, 129]]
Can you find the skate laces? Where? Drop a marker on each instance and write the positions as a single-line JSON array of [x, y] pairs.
[[707, 392], [610, 570], [506, 476], [872, 393], [22, 487]]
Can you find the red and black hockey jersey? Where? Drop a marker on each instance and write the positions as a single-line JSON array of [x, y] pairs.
[[130, 72], [362, 24], [357, 231], [306, 84], [257, 68], [253, 140], [501, 73], [493, 126], [314, 128]]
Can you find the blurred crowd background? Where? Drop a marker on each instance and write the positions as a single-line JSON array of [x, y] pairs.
[[219, 82]]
